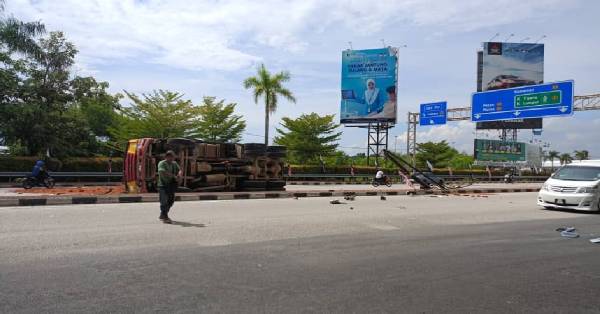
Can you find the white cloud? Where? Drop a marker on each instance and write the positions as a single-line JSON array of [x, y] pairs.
[[220, 35]]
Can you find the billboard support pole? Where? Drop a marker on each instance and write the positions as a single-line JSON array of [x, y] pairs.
[[377, 140], [411, 136]]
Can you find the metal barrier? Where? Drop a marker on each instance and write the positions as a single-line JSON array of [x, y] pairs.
[[369, 177]]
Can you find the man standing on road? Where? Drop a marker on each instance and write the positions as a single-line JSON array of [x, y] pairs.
[[168, 175]]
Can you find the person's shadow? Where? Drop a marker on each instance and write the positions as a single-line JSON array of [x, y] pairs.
[[187, 224]]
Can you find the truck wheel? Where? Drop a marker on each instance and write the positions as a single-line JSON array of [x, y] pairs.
[[254, 146], [254, 184], [276, 154], [276, 149]]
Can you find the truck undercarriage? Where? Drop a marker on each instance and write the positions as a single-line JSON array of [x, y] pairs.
[[205, 166]]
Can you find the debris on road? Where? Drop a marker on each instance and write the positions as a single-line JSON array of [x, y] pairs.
[[350, 197], [596, 240], [568, 234], [335, 202], [383, 198], [568, 229]]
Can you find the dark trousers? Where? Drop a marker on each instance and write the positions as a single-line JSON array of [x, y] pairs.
[[166, 196]]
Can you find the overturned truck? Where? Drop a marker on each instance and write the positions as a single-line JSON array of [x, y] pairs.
[[205, 166]]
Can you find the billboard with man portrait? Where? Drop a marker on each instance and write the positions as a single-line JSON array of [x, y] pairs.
[[369, 80]]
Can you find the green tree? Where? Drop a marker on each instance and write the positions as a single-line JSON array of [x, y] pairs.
[[553, 155], [160, 114], [461, 161], [438, 154], [217, 122], [565, 159], [270, 87], [39, 115], [96, 104], [19, 37], [308, 136], [581, 155]]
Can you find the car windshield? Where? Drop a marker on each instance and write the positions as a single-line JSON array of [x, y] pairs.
[[575, 173]]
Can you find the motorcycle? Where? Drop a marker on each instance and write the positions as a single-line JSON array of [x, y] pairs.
[[386, 180], [508, 178], [30, 182]]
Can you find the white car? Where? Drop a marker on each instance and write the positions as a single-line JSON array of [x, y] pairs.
[[573, 186]]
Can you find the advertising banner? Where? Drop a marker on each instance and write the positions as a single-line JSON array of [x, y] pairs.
[[369, 80], [535, 123], [499, 151], [506, 65]]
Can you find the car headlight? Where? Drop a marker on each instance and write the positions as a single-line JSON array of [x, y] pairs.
[[587, 189], [546, 187]]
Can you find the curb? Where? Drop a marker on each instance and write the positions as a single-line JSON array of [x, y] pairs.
[[152, 198]]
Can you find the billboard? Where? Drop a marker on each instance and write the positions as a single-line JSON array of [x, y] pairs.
[[535, 123], [505, 65], [369, 79], [499, 151]]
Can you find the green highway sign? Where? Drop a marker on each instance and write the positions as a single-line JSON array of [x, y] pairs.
[[538, 99]]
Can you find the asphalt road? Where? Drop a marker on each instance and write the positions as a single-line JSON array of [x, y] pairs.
[[405, 254]]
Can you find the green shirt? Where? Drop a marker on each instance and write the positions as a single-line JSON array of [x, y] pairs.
[[164, 166]]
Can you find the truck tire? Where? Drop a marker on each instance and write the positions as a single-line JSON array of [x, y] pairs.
[[276, 149], [180, 142], [276, 154], [254, 184], [276, 185], [255, 146]]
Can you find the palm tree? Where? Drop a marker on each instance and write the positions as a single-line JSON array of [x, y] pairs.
[[551, 155], [18, 36], [581, 154], [565, 159], [270, 87]]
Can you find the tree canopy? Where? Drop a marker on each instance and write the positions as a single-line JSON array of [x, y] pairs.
[[41, 105], [217, 122], [270, 87], [308, 136], [438, 154]]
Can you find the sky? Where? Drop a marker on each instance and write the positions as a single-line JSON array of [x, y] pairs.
[[207, 48]]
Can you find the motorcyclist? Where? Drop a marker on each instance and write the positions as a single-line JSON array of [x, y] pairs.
[[39, 171], [380, 176]]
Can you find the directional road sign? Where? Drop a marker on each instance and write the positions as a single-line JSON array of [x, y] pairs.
[[534, 101], [433, 113]]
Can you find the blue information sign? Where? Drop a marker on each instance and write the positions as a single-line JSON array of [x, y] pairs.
[[433, 113], [534, 101]]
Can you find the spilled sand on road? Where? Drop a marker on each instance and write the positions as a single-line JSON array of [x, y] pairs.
[[85, 190]]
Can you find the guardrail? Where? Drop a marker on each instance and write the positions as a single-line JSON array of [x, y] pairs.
[[368, 177]]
